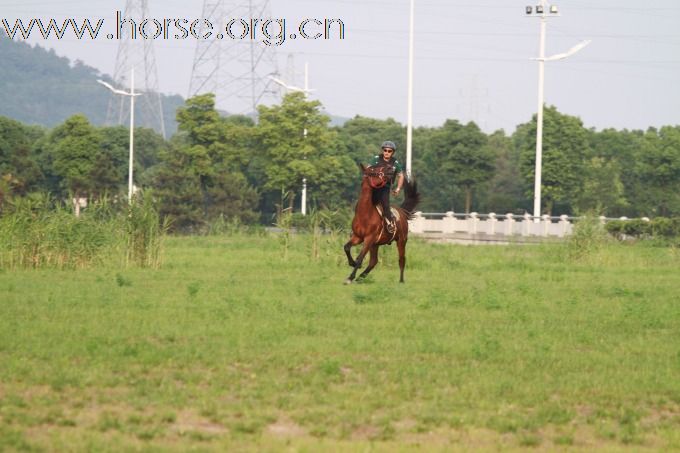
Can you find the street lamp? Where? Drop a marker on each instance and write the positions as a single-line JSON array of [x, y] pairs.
[[306, 90], [132, 95], [541, 12]]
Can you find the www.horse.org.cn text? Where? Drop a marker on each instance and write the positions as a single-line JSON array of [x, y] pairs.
[[271, 32]]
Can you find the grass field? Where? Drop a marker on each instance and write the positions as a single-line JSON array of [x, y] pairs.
[[236, 344]]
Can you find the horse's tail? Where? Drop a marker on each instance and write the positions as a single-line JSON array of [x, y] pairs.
[[411, 197]]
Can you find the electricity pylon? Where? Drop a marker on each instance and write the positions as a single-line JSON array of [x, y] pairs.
[[136, 52], [236, 70]]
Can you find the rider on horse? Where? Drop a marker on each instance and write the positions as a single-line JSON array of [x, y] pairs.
[[392, 166]]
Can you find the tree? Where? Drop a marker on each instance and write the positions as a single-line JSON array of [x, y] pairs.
[[75, 154], [602, 187], [19, 170], [462, 155], [178, 188], [287, 155], [565, 143], [504, 193], [116, 147], [361, 137], [199, 177], [111, 167], [612, 160], [659, 170]]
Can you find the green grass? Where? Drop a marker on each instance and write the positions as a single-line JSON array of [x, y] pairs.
[[235, 345]]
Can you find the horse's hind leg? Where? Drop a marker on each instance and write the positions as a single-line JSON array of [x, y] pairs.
[[401, 247], [354, 240], [372, 262], [357, 265]]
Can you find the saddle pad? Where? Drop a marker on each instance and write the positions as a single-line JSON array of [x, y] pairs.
[[395, 213]]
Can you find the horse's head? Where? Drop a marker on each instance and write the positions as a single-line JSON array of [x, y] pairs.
[[376, 176]]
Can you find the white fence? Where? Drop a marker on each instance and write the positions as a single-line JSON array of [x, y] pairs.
[[478, 226], [450, 226]]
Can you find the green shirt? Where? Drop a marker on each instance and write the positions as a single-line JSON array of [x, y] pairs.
[[398, 168]]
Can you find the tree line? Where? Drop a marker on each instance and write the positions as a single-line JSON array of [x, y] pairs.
[[233, 168]]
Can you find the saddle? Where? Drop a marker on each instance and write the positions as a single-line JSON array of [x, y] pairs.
[[395, 213], [390, 227]]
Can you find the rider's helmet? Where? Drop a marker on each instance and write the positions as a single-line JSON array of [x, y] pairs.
[[389, 144]]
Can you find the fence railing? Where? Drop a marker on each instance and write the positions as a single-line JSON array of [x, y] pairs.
[[492, 224]]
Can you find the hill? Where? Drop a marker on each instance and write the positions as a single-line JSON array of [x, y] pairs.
[[39, 87]]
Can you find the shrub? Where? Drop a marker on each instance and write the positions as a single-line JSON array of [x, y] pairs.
[[615, 228], [587, 238], [665, 227], [636, 228]]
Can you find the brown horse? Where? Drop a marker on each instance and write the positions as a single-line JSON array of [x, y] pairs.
[[368, 226]]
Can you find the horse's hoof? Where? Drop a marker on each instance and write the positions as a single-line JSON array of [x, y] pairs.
[[348, 282]]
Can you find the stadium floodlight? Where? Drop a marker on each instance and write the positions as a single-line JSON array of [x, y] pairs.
[[540, 13]]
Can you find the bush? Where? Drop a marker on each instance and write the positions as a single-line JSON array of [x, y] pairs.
[[636, 228], [665, 227], [633, 228], [615, 228], [658, 228], [587, 237]]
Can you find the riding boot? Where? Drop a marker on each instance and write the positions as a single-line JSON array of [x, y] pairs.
[[390, 223]]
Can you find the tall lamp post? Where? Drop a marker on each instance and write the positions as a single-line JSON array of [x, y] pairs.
[[409, 115], [306, 90], [132, 95], [543, 11]]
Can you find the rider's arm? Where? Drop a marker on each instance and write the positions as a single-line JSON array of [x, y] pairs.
[[400, 182]]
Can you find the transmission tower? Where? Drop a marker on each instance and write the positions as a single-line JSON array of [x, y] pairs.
[[290, 75], [136, 52], [236, 70]]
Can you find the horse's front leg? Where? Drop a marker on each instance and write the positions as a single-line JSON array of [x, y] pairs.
[[354, 240], [360, 258]]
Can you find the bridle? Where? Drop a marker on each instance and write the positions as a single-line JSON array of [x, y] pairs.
[[377, 177]]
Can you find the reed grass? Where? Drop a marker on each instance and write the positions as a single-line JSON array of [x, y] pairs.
[[39, 232]]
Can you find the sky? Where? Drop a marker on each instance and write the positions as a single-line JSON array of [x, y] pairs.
[[472, 57]]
